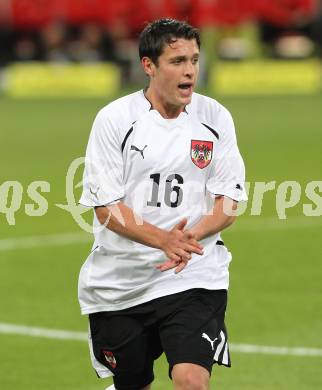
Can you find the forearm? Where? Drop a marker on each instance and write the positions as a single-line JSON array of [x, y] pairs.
[[215, 222], [121, 220]]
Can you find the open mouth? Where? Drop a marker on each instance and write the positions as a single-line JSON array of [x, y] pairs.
[[185, 86], [185, 90]]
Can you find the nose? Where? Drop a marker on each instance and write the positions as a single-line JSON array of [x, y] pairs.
[[189, 69]]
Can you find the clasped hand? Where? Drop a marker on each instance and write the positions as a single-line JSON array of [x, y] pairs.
[[178, 245]]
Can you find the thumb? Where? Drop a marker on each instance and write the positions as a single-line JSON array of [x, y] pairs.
[[181, 224]]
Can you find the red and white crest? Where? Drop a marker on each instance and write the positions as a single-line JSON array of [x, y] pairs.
[[110, 358], [201, 153]]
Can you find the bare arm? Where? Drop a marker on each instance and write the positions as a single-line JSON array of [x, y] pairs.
[[217, 221], [174, 243]]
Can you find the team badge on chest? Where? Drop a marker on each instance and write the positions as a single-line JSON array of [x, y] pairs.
[[201, 153]]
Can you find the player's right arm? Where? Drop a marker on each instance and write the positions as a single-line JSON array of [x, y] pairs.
[[174, 243]]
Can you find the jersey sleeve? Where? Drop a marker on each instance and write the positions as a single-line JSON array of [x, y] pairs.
[[103, 172], [227, 174]]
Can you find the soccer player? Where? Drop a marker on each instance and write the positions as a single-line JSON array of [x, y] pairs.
[[161, 165]]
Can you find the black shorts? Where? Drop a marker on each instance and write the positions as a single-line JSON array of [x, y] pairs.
[[188, 326]]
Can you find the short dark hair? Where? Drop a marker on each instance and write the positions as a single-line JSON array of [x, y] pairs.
[[161, 32]]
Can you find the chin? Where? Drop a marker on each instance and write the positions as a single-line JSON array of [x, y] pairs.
[[181, 101], [186, 100]]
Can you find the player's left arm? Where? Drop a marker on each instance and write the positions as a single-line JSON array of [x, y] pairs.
[[220, 217], [226, 183]]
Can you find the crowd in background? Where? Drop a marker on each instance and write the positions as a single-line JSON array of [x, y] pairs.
[[104, 30], [128, 16]]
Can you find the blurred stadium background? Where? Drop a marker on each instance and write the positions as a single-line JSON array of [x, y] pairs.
[[62, 60]]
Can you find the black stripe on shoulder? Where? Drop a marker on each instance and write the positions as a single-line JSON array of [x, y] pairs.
[[214, 132], [126, 137]]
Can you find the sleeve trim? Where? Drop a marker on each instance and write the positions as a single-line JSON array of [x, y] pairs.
[[242, 198], [89, 204]]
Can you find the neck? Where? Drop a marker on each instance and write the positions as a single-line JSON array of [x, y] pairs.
[[166, 110]]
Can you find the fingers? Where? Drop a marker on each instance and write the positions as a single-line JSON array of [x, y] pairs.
[[196, 244], [190, 237], [181, 266], [169, 264], [179, 254], [182, 249], [192, 246], [179, 258], [174, 257], [194, 249], [183, 253], [181, 224], [178, 246]]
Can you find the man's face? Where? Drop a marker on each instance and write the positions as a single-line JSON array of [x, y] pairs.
[[173, 78]]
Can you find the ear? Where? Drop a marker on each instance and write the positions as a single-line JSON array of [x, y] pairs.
[[148, 66]]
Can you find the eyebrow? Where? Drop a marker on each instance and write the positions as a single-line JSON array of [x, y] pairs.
[[195, 55]]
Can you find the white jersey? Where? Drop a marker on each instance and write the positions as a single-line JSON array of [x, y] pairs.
[[165, 170]]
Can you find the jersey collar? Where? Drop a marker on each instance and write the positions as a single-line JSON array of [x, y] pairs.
[[149, 105]]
